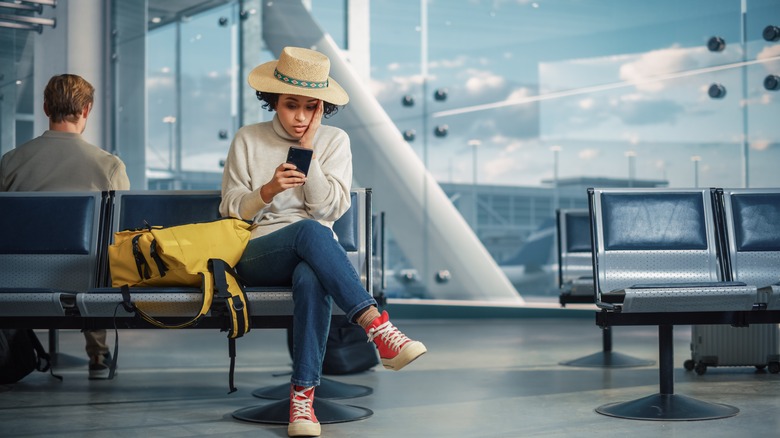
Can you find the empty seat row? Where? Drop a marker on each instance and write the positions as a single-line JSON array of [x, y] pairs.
[[683, 256], [678, 250], [743, 244]]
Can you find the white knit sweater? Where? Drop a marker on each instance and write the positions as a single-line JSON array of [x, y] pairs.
[[256, 152]]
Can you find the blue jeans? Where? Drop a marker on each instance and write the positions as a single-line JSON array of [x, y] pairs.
[[306, 255]]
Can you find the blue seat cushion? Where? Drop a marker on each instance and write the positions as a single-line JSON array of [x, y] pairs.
[[578, 233], [756, 221], [50, 225], [662, 221], [167, 211], [346, 228]]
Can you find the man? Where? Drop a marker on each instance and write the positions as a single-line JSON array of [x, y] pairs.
[[61, 160]]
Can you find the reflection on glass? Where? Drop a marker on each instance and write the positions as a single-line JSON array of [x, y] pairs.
[[207, 72], [191, 76], [161, 74]]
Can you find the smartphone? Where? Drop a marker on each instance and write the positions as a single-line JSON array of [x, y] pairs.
[[301, 157]]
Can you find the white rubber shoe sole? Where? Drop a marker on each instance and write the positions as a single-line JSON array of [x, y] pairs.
[[303, 428], [409, 352]]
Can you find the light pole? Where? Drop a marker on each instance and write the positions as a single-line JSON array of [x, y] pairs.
[[556, 150], [170, 120], [662, 166], [696, 159], [474, 144], [631, 155]]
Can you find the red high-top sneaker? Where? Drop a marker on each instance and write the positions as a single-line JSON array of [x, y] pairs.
[[395, 349], [303, 422]]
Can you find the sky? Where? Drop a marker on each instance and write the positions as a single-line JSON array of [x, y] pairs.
[[597, 79], [610, 84]]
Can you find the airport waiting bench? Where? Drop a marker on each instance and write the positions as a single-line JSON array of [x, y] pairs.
[[54, 266], [660, 259]]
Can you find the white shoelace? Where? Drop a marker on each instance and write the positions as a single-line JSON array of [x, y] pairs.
[[390, 335], [301, 406]]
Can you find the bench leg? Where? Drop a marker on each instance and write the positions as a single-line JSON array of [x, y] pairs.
[[666, 405], [327, 412], [607, 358], [278, 412], [62, 360], [328, 389]]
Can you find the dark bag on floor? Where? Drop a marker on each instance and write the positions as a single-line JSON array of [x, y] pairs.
[[348, 350], [20, 354]]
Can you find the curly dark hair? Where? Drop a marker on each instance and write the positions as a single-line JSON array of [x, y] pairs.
[[271, 99]]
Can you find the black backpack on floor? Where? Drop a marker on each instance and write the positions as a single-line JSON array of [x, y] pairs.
[[20, 354], [348, 350]]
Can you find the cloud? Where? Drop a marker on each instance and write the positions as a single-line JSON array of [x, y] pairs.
[[500, 139], [397, 86], [586, 103], [771, 56], [153, 82], [760, 145], [455, 63], [519, 94], [513, 146], [769, 52], [481, 82], [635, 109], [499, 166], [481, 86], [516, 163], [588, 154], [643, 71], [467, 87]]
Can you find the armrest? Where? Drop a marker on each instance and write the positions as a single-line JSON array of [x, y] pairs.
[[688, 285]]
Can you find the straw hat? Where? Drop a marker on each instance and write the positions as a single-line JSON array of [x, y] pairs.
[[298, 71]]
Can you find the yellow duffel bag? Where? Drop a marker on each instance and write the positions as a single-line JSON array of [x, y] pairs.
[[200, 254]]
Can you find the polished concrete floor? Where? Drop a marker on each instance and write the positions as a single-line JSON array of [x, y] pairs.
[[481, 378]]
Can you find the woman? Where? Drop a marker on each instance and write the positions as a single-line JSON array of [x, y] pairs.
[[293, 242]]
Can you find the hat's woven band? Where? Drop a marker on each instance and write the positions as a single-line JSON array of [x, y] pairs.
[[299, 82]]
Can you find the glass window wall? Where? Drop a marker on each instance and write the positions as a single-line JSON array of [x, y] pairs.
[[546, 98], [514, 108], [192, 90]]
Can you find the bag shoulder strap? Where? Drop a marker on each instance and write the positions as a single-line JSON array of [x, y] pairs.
[[236, 306], [216, 284], [206, 296], [42, 358], [227, 288]]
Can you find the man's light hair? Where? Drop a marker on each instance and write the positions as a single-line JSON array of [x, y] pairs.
[[66, 96]]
